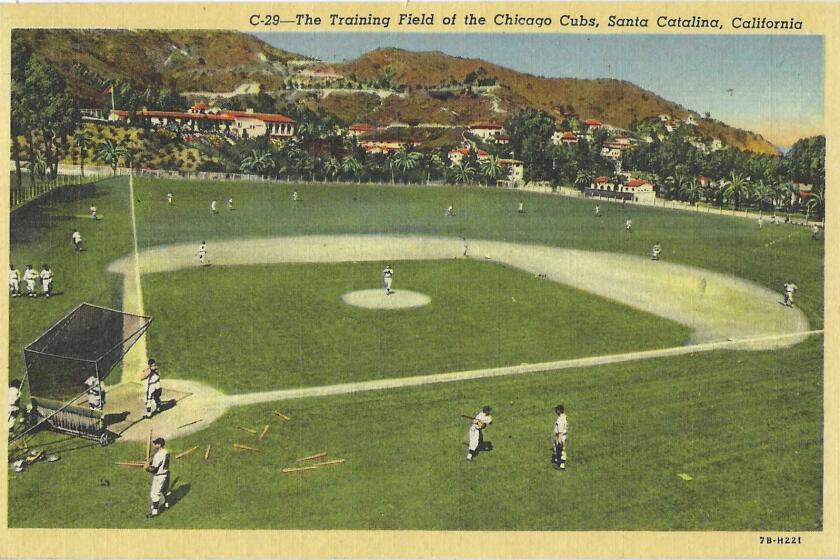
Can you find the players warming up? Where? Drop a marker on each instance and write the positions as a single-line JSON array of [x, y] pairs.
[[159, 469], [46, 280], [787, 293], [14, 281], [202, 253], [151, 376], [475, 435], [388, 279], [29, 277], [655, 251], [558, 439], [95, 393], [76, 238], [14, 403], [628, 225]]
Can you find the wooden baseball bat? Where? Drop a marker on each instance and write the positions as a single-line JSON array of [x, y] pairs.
[[324, 464], [207, 453], [469, 417], [244, 447], [249, 430], [298, 469], [262, 434], [316, 456], [130, 464], [281, 415], [149, 446], [187, 452]]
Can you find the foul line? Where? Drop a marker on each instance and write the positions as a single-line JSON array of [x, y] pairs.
[[401, 382], [136, 249], [137, 356]]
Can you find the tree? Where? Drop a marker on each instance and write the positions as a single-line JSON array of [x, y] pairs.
[[352, 167], [83, 142], [111, 152], [584, 179], [38, 165], [492, 169], [816, 202], [690, 189], [332, 167], [434, 164], [764, 195], [463, 173], [738, 189], [405, 160], [258, 162]]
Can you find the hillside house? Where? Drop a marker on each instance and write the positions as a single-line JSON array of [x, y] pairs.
[[515, 171], [201, 118], [489, 132], [358, 129], [592, 124], [565, 138], [385, 146], [634, 190], [457, 156]]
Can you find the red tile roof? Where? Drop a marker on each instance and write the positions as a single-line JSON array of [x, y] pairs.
[[633, 183], [601, 180], [592, 122], [466, 152], [228, 116], [265, 117], [569, 136], [361, 127], [200, 107]]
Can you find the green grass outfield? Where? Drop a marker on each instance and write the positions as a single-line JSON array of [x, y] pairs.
[[746, 426]]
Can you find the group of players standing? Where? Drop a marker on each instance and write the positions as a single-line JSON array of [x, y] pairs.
[[30, 278]]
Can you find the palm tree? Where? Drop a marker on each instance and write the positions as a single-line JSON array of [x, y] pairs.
[[816, 202], [110, 152], [584, 179], [691, 190], [492, 168], [332, 167], [351, 167], [463, 172], [38, 165], [84, 142], [434, 163], [405, 160], [258, 162], [738, 189], [764, 195]]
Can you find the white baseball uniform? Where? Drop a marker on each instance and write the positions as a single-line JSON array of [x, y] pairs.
[[77, 240], [160, 479], [170, 199], [230, 203], [29, 276], [202, 253], [387, 279], [46, 280], [213, 207], [14, 281], [95, 393], [14, 403], [628, 225], [475, 435], [561, 428], [93, 212], [153, 391]]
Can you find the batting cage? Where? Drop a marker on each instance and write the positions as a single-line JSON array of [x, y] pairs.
[[82, 348]]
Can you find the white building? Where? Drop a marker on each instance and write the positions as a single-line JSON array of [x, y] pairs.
[[245, 127]]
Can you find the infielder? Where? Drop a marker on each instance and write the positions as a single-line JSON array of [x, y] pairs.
[[558, 439], [14, 281], [30, 276], [789, 289], [213, 208], [475, 435], [388, 279], [76, 238], [95, 393], [14, 403], [151, 376], [655, 252], [159, 468], [202, 253], [46, 279]]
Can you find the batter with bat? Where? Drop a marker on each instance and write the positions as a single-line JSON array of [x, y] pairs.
[[475, 435]]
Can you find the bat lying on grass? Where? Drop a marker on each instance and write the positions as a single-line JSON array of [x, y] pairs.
[[281, 415], [307, 458], [207, 453], [187, 452], [264, 431], [244, 447], [249, 430]]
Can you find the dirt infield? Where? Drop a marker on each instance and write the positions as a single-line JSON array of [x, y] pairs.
[[377, 299], [723, 311]]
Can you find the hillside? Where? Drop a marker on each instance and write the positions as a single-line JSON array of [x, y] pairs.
[[612, 101], [187, 60]]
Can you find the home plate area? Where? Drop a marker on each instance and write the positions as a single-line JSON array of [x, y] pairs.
[[378, 299]]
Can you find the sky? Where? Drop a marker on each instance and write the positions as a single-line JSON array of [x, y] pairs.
[[776, 82]]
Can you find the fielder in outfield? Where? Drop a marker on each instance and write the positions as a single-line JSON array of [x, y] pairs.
[[558, 439], [475, 435]]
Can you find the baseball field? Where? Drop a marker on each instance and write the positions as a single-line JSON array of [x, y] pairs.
[[694, 399]]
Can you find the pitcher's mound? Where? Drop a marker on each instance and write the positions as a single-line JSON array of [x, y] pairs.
[[376, 299]]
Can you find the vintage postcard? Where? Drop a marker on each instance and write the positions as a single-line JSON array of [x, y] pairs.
[[419, 280]]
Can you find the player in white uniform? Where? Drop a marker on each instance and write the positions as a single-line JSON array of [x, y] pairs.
[[656, 251], [14, 403], [521, 207], [46, 279], [558, 439], [387, 279], [14, 281], [815, 231], [151, 376], [230, 203], [475, 435], [159, 469], [628, 225], [295, 197], [30, 276], [76, 238], [202, 253], [789, 289], [597, 211], [95, 393], [170, 199], [213, 208], [450, 211], [760, 221], [93, 215]]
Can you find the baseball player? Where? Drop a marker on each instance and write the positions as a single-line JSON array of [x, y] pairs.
[[656, 251], [14, 281], [388, 279], [202, 253], [93, 215], [14, 402], [597, 211], [170, 199], [450, 211], [789, 289], [295, 197], [213, 208], [29, 277], [521, 208], [815, 231], [76, 238], [46, 279], [628, 225], [159, 469], [774, 220], [151, 376], [760, 221], [230, 203], [475, 435], [558, 453], [95, 393]]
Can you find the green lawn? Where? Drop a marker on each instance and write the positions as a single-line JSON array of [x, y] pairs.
[[285, 325], [747, 430], [746, 426]]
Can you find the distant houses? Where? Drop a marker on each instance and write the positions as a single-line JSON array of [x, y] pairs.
[[489, 132], [633, 190]]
